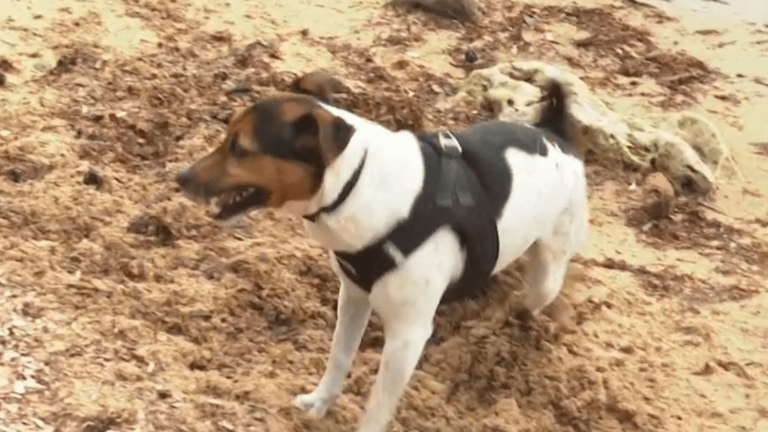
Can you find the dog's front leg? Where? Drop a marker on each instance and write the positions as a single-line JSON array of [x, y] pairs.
[[406, 335], [354, 310]]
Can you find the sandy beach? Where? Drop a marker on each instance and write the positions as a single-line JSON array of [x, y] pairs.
[[123, 307]]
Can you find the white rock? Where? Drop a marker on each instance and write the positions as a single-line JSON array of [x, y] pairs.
[[10, 356], [616, 140]]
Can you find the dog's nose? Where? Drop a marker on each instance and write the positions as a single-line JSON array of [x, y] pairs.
[[183, 178]]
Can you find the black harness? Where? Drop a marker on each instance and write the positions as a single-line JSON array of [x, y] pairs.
[[451, 196], [343, 195]]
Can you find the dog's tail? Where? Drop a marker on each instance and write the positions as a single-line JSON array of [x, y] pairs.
[[554, 114]]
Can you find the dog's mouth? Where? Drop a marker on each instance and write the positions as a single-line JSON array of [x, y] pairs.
[[239, 200]]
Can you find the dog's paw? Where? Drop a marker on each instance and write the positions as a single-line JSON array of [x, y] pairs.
[[314, 404]]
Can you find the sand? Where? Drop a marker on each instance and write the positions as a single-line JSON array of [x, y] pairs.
[[124, 308]]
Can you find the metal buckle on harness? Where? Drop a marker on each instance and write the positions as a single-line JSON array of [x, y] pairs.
[[449, 143], [453, 175]]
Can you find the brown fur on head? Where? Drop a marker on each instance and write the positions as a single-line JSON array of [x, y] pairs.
[[319, 84], [274, 152]]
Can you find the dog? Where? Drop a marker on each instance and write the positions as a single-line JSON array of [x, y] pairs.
[[412, 220]]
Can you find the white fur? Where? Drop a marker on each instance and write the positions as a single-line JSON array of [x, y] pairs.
[[545, 218]]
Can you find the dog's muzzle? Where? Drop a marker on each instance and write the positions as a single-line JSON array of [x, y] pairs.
[[197, 193], [232, 202], [183, 178]]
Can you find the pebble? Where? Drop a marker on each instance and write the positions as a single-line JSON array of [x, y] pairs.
[[163, 393], [41, 424], [10, 356], [546, 347], [241, 87], [92, 178], [627, 349], [226, 425], [470, 56], [530, 20], [659, 196], [434, 386]]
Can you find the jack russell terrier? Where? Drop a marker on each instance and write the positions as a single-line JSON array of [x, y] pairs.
[[411, 220]]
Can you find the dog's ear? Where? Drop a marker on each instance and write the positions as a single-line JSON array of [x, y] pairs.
[[236, 116], [241, 125], [328, 133], [319, 84]]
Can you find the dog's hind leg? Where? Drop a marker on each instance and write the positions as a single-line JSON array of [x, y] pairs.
[[544, 274], [548, 257], [354, 310]]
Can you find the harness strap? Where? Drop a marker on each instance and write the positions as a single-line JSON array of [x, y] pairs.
[[366, 266], [346, 190], [453, 176]]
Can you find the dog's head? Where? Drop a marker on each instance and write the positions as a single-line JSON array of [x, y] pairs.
[[275, 152]]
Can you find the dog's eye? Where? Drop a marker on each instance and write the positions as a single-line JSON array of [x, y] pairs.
[[234, 149]]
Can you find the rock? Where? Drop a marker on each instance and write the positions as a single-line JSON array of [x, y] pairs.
[[226, 425], [703, 136], [92, 178], [319, 83], [241, 87], [31, 310], [42, 425], [470, 56], [507, 408], [515, 89], [507, 97], [163, 393], [9, 356], [152, 226], [658, 196], [435, 387], [496, 425], [15, 175], [627, 349], [546, 347], [31, 384], [467, 11]]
